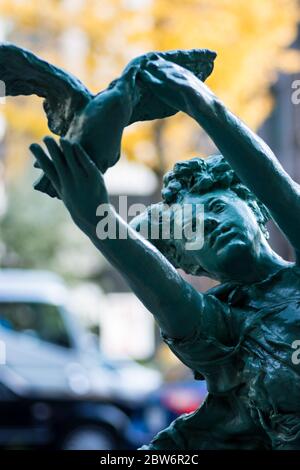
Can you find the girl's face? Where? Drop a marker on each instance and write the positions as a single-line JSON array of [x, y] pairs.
[[232, 236]]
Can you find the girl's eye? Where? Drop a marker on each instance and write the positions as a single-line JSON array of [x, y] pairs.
[[217, 207]]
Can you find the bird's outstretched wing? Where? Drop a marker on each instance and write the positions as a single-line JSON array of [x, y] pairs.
[[23, 73]]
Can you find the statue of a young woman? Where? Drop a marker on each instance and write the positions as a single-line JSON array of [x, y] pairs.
[[240, 336]]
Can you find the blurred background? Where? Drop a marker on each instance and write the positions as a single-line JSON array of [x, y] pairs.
[[85, 366]]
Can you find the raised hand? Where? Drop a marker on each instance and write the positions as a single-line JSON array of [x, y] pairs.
[[176, 86], [76, 179]]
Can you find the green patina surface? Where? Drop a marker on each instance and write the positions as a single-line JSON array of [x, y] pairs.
[[240, 336]]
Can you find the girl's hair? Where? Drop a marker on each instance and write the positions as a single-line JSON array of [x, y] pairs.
[[200, 176]]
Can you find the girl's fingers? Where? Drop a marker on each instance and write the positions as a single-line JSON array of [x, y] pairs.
[[152, 68], [84, 159], [159, 67], [149, 78], [156, 62], [71, 159], [57, 156], [46, 165], [166, 71], [67, 150], [80, 158]]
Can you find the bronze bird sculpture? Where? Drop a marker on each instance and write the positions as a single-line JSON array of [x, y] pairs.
[[79, 115]]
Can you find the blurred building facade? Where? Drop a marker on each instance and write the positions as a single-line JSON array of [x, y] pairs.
[[281, 131]]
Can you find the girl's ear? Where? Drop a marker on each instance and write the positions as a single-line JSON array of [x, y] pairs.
[[148, 224], [143, 223]]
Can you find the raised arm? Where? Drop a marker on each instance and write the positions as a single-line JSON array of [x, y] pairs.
[[175, 304], [248, 154]]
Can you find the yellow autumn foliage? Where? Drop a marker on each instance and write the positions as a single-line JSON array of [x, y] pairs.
[[95, 39]]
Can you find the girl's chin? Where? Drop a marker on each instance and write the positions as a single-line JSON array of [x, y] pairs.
[[235, 244]]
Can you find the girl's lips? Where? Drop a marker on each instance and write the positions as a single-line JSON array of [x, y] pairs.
[[225, 236], [218, 233]]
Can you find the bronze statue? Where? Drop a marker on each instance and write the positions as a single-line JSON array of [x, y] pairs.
[[240, 336]]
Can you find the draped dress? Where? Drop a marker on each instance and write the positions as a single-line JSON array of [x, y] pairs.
[[244, 347]]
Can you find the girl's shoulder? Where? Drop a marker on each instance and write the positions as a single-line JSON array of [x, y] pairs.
[[283, 284]]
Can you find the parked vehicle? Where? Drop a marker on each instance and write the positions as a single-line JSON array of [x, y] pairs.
[[56, 389], [180, 397]]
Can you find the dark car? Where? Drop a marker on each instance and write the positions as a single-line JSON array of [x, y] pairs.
[[56, 389], [182, 396]]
